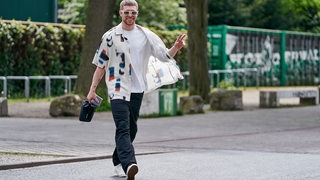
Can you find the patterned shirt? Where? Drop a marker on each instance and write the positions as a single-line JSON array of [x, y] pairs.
[[113, 54]]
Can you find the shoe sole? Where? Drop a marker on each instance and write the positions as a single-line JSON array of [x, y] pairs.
[[132, 172]]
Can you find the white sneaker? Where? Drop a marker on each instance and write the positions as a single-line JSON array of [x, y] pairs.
[[118, 171], [132, 171]]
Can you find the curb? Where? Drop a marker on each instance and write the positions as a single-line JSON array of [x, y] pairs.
[[65, 161]]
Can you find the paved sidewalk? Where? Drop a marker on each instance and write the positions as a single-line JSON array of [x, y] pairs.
[[41, 109]]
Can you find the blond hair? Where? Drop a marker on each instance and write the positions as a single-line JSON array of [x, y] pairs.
[[128, 3]]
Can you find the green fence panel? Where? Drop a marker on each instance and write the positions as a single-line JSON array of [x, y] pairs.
[[302, 58], [282, 57]]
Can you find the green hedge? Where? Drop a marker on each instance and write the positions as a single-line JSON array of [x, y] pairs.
[[29, 49]]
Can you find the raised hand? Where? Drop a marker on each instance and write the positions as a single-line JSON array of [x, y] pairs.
[[180, 42]]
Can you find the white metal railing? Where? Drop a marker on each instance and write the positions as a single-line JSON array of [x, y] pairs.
[[68, 78], [47, 79], [217, 73]]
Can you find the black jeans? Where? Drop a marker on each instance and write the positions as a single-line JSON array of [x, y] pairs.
[[125, 115]]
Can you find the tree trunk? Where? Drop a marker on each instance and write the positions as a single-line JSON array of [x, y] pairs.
[[99, 20], [197, 47]]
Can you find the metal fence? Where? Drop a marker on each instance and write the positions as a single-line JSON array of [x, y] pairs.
[[283, 58], [27, 79], [237, 77]]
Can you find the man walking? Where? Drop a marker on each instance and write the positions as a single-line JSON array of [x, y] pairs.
[[135, 61]]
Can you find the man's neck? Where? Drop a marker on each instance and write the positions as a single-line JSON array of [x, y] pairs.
[[127, 27]]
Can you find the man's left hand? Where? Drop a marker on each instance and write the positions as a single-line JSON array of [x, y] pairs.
[[180, 42]]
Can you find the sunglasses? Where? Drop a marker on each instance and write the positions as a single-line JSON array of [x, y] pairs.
[[133, 13]]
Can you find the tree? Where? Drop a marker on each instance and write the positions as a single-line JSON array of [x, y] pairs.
[[99, 20], [197, 44]]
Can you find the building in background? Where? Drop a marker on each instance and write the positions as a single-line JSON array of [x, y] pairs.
[[34, 10]]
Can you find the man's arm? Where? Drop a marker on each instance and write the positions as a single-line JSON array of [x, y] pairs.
[[178, 44], [97, 76]]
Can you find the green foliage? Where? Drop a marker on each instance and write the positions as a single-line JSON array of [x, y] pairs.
[[152, 13], [297, 15], [31, 50], [229, 12], [226, 84], [307, 15], [72, 11], [162, 14], [272, 14]]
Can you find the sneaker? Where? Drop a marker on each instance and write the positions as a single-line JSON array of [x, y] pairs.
[[132, 171], [118, 171]]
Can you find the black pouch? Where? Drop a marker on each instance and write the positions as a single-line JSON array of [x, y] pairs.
[[87, 111]]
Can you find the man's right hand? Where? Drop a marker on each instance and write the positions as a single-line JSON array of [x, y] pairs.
[[92, 96]]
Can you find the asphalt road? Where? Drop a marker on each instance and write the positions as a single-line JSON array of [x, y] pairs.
[[278, 144]]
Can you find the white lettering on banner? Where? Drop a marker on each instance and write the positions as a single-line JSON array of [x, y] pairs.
[[307, 55], [313, 55], [266, 58]]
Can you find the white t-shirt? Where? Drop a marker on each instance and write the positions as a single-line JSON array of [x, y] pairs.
[[140, 50]]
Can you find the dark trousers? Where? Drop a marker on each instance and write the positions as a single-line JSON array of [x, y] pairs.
[[125, 115]]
